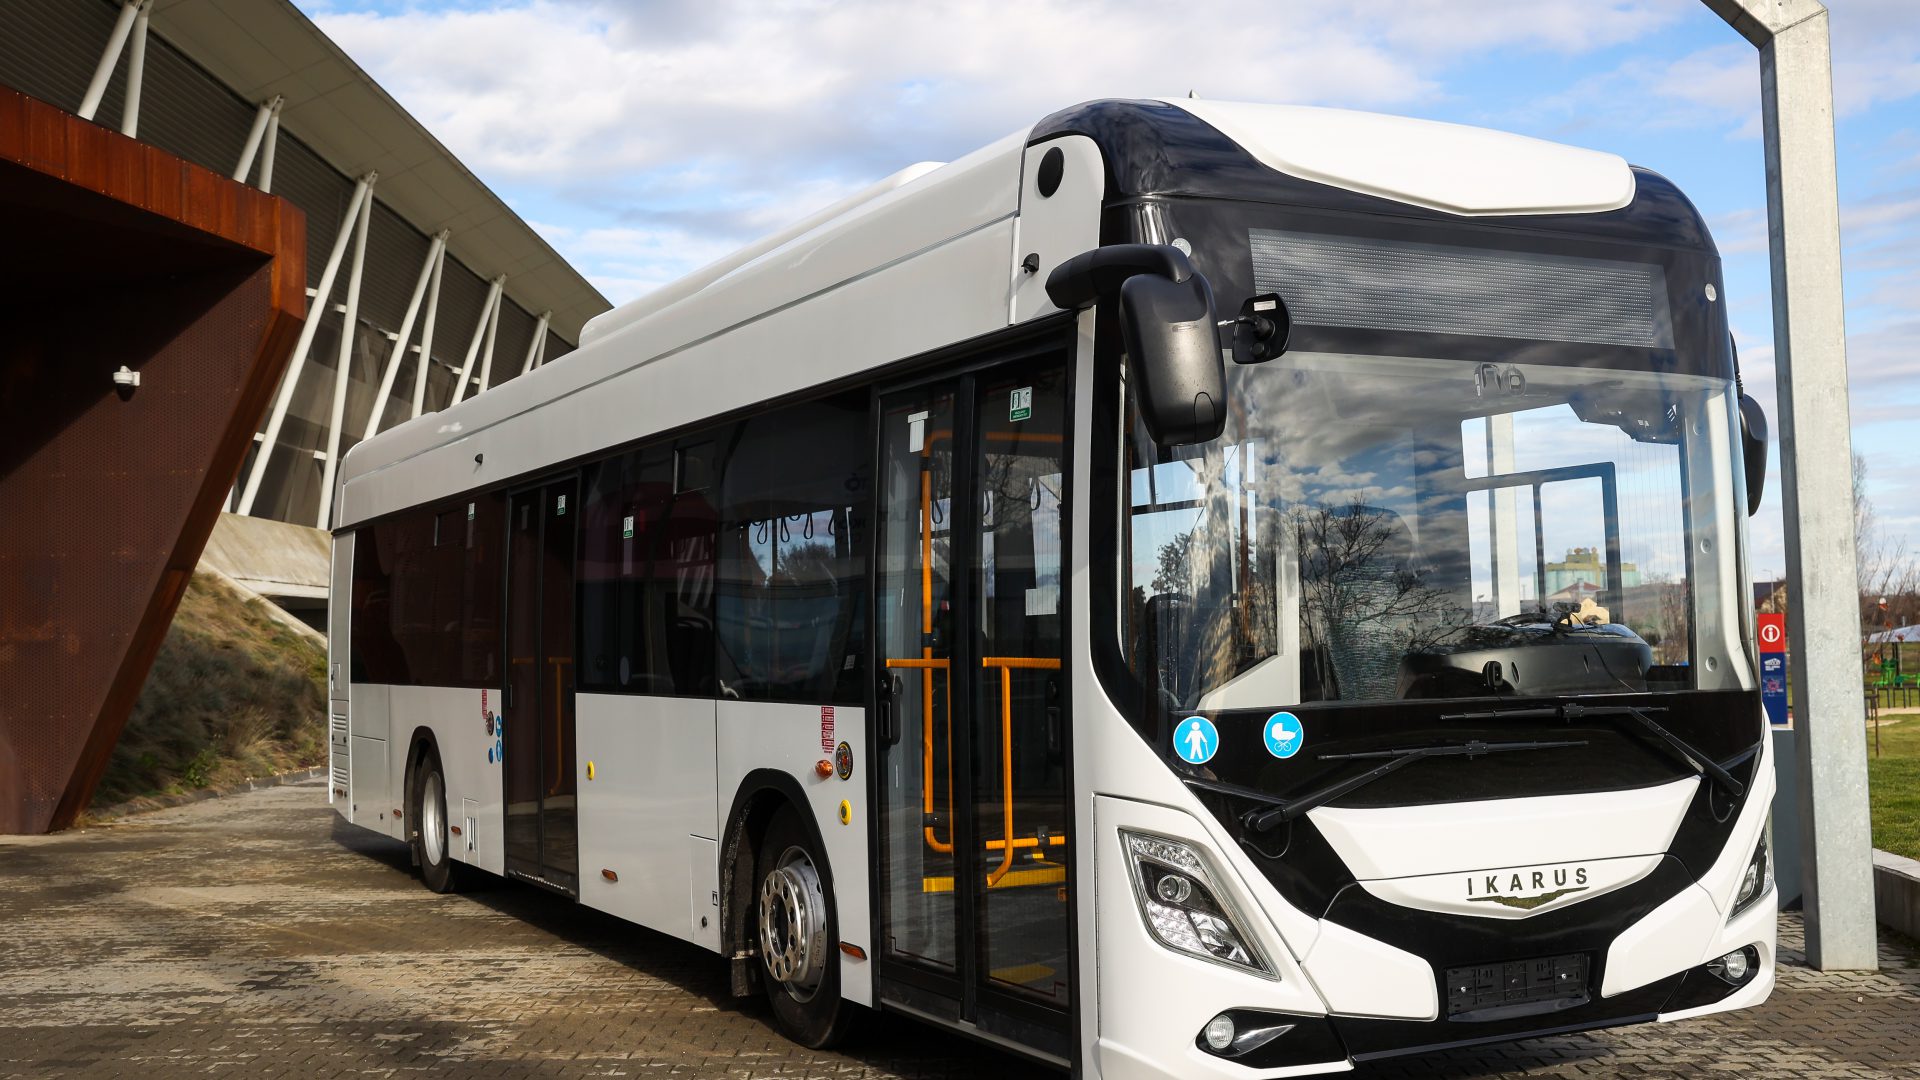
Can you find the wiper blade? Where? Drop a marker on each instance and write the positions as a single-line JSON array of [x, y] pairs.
[[1288, 809], [1571, 712]]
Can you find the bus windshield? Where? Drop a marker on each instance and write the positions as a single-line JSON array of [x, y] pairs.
[[1375, 528]]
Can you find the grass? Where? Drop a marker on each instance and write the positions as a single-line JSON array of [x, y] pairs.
[[233, 695], [1894, 787]]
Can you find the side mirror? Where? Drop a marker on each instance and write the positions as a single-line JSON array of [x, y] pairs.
[[1753, 448], [1168, 327]]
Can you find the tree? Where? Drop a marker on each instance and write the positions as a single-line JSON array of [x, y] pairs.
[[1889, 578]]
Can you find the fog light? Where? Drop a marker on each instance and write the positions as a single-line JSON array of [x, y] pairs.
[[1219, 1032], [1737, 966]]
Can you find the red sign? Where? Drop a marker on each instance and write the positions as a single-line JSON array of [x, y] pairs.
[[826, 729], [1773, 633]]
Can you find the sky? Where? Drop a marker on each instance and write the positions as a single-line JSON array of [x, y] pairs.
[[645, 138]]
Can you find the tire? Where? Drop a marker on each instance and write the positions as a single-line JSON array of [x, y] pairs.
[[432, 843], [797, 935]]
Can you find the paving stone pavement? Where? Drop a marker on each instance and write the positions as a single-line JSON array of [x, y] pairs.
[[259, 936]]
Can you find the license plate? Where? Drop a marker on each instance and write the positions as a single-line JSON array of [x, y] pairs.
[[1517, 987]]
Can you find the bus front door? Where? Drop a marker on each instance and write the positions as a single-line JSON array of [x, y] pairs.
[[975, 823], [541, 838]]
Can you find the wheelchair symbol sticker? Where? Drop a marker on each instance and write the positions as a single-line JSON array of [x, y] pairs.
[[1284, 735], [1196, 740]]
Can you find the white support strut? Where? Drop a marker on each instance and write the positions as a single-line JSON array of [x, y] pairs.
[[533, 344], [399, 353], [136, 73], [493, 335], [266, 150], [1816, 474], [315, 311], [109, 59], [269, 110], [479, 335], [342, 372], [426, 332]]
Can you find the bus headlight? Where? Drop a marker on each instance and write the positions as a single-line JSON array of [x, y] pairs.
[[1184, 909], [1756, 882]]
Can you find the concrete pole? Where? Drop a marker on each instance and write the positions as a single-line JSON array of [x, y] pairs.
[[406, 331], [317, 311], [136, 74], [426, 333], [109, 59], [337, 414], [1816, 465]]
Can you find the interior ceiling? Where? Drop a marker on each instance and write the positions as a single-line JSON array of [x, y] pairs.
[[265, 47]]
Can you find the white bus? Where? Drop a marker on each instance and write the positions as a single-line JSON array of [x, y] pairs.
[[1190, 589]]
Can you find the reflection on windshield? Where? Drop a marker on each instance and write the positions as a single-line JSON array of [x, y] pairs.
[[1377, 528]]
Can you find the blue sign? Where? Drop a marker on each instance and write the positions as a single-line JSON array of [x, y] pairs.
[[1284, 735], [1773, 686], [1196, 740]]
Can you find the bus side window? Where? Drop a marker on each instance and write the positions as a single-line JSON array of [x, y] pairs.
[[792, 558]]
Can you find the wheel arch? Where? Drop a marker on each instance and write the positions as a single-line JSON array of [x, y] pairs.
[[761, 795], [419, 745]]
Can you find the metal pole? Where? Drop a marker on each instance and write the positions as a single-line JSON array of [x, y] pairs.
[[426, 332], [267, 148], [268, 109], [349, 322], [540, 352], [316, 312], [493, 333], [1816, 466], [136, 73], [479, 333], [109, 58], [533, 345], [406, 331]]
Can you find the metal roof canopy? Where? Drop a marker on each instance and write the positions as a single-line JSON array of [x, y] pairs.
[[260, 48]]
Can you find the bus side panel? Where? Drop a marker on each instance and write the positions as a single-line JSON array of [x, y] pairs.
[[469, 759], [339, 714], [651, 789], [794, 739], [953, 292], [370, 801]]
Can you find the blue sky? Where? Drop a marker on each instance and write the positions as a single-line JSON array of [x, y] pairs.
[[644, 139]]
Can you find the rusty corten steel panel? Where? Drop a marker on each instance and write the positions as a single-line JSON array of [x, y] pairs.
[[117, 254]]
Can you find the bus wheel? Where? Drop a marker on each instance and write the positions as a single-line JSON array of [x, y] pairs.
[[794, 932], [432, 848]]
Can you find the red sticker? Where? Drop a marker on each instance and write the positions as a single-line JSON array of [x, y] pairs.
[[826, 729]]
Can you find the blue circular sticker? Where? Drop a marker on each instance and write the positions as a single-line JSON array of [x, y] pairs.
[[1284, 734], [1196, 740]]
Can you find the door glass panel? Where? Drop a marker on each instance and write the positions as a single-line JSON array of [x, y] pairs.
[[518, 720], [557, 831], [914, 640], [1018, 718]]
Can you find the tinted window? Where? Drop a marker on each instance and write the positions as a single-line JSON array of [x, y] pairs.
[[426, 597], [792, 554], [646, 576]]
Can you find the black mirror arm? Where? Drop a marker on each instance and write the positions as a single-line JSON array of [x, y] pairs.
[[1092, 274]]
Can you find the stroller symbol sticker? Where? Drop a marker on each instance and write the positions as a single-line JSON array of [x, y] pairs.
[[1196, 740], [1284, 735]]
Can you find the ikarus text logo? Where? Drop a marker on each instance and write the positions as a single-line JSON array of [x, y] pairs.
[[1526, 888]]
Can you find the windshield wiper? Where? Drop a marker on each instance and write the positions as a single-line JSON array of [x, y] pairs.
[[1285, 810], [1571, 712]]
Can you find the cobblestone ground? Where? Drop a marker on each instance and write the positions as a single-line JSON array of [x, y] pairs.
[[256, 936]]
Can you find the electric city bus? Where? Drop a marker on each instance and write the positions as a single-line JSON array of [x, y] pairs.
[[1188, 590]]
